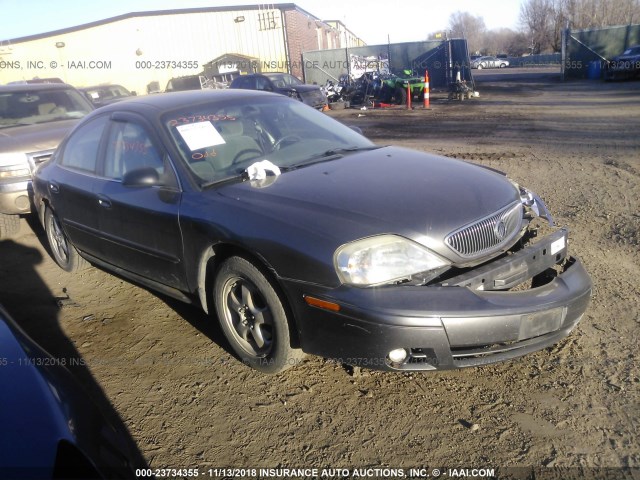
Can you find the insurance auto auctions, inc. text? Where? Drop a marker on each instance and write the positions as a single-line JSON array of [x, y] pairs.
[[369, 472]]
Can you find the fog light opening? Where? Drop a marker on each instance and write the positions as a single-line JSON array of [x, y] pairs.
[[398, 355], [22, 202]]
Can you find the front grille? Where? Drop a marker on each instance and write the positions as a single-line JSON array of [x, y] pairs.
[[476, 356], [487, 234]]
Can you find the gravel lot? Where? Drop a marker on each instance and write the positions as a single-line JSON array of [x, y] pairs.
[[163, 368]]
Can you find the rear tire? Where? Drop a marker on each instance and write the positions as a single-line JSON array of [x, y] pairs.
[[62, 250], [253, 317], [9, 225]]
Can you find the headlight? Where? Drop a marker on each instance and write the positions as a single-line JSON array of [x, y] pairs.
[[13, 165], [383, 259]]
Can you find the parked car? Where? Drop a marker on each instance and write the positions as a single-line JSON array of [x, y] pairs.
[[489, 62], [180, 84], [626, 65], [37, 80], [284, 84], [304, 236], [101, 95], [33, 120], [51, 428], [192, 82]]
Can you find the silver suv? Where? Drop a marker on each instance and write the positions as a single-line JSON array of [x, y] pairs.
[[34, 118]]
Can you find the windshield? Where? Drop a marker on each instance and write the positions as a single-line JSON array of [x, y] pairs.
[[33, 106], [282, 80], [107, 92], [218, 141]]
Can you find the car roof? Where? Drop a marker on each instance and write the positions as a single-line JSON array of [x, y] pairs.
[[95, 87], [34, 87], [264, 74], [165, 102]]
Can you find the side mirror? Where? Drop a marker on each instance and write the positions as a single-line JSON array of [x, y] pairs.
[[141, 177], [356, 129]]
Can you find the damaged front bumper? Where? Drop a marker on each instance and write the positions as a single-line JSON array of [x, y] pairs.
[[469, 320]]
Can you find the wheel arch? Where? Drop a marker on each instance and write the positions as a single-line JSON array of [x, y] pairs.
[[211, 259], [42, 209]]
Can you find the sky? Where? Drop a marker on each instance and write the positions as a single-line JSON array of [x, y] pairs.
[[374, 21]]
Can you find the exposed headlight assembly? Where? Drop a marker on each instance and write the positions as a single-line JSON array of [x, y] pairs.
[[534, 203], [13, 165], [384, 259]]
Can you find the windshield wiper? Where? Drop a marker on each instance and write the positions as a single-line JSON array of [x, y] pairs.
[[221, 181], [331, 154], [334, 151]]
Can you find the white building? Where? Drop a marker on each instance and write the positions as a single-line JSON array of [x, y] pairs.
[[143, 49]]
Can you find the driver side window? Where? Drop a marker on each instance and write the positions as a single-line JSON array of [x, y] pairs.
[[129, 147], [263, 84]]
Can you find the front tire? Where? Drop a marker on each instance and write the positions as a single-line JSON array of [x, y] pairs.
[[62, 250], [401, 96], [253, 317]]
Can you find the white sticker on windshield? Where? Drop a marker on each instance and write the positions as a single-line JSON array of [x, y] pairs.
[[200, 135]]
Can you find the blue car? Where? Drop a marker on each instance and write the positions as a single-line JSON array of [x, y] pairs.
[[51, 428]]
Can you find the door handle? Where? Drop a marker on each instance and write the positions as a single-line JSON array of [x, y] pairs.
[[53, 187], [104, 202]]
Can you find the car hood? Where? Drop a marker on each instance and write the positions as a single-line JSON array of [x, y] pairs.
[[388, 190], [34, 138]]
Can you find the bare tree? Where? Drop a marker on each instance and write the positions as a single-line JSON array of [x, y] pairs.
[[517, 45], [504, 40], [536, 16], [542, 22], [583, 14], [465, 25]]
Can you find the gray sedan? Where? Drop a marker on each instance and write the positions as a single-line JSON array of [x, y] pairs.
[[489, 62], [34, 118]]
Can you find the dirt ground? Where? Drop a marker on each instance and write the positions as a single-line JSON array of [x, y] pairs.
[[163, 368]]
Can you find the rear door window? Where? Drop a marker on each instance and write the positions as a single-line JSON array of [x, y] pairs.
[[81, 152]]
